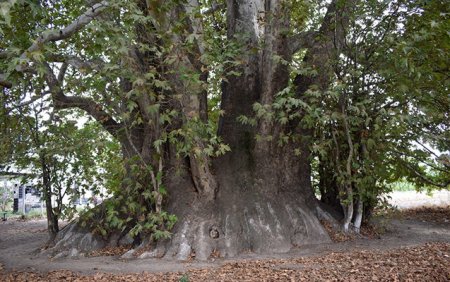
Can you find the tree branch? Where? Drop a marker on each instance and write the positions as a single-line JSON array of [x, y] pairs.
[[68, 31], [6, 54], [76, 62], [337, 21], [214, 7], [325, 46], [53, 36], [62, 72], [420, 160], [4, 82], [29, 102], [9, 84], [301, 40], [427, 149], [61, 101], [12, 173], [424, 178], [196, 24]]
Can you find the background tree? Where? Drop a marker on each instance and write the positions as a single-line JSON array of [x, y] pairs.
[[385, 118], [62, 159]]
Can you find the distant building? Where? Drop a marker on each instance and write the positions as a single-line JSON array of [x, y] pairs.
[[26, 197]]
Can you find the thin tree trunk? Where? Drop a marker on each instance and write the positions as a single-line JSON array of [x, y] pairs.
[[52, 219], [359, 214], [348, 182]]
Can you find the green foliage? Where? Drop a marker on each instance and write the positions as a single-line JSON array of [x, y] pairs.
[[6, 197], [77, 159], [184, 278], [389, 102], [133, 210]]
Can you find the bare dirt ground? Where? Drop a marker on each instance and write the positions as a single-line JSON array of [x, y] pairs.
[[415, 246]]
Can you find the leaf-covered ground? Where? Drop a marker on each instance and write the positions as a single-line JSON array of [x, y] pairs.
[[430, 262], [428, 214], [372, 257]]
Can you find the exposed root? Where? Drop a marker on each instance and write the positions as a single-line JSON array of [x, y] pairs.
[[225, 228]]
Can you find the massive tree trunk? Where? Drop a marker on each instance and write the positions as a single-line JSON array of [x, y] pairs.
[[258, 197], [264, 201]]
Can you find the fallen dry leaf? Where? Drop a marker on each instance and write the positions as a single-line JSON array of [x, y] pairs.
[[428, 214], [429, 262]]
